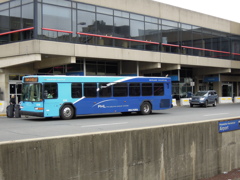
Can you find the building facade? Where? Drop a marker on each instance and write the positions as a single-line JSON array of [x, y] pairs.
[[120, 37]]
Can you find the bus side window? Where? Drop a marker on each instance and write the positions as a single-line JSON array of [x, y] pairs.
[[146, 89], [105, 90], [76, 90], [120, 90], [50, 91], [134, 89], [158, 89], [90, 89]]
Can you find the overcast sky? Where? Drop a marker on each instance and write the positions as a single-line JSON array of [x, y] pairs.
[[226, 9]]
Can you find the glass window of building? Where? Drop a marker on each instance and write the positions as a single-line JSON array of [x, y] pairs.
[[235, 43], [170, 36], [197, 40], [207, 39], [121, 29], [152, 34], [4, 6], [86, 7], [105, 28], [151, 20], [105, 10], [15, 23], [121, 14], [136, 17], [186, 39], [4, 26], [57, 2], [26, 1], [86, 23], [137, 32], [15, 3], [27, 15], [56, 17]]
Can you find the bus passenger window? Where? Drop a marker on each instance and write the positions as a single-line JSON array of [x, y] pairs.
[[146, 89], [90, 89], [105, 90], [120, 90], [134, 89], [76, 90], [50, 91], [158, 89]]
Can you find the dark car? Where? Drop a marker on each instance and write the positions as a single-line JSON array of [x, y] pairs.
[[204, 98]]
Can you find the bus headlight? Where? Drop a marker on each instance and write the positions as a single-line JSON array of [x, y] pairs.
[[38, 108]]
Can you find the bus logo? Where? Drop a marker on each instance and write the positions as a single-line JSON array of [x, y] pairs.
[[101, 106]]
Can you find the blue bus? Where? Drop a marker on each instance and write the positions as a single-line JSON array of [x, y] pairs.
[[69, 96]]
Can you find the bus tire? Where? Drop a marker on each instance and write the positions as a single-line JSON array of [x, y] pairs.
[[146, 108], [67, 112]]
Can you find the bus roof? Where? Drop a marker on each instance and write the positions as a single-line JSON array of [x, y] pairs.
[[116, 79]]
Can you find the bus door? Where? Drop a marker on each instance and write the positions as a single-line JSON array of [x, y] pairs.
[[51, 101]]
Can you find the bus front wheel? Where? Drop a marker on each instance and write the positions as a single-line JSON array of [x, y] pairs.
[[67, 112], [146, 108]]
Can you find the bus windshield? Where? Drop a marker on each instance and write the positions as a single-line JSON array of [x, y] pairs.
[[32, 92]]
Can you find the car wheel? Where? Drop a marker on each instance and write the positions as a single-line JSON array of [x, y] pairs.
[[206, 104], [191, 105], [215, 103]]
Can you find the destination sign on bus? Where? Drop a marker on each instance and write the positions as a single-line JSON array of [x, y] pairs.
[[31, 79]]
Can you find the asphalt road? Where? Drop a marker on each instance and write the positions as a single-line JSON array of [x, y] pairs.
[[30, 128]]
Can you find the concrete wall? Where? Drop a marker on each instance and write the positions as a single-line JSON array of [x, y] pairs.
[[182, 152]]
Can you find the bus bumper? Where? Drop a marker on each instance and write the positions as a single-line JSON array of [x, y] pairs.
[[38, 114]]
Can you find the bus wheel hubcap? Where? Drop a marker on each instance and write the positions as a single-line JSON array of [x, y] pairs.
[[146, 108], [67, 112]]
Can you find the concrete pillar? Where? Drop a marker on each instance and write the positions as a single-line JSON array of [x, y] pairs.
[[84, 67]]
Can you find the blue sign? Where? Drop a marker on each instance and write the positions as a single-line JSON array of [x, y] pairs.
[[211, 79], [174, 77], [225, 126]]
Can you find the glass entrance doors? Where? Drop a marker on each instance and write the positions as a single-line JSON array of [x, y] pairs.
[[227, 90], [15, 89]]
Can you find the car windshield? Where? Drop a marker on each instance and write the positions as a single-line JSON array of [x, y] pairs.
[[201, 93]]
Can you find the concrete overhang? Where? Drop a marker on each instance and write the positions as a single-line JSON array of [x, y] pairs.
[[50, 61], [170, 67], [211, 70], [148, 66], [157, 67], [18, 60]]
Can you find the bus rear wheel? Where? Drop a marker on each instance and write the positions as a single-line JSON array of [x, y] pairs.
[[146, 108], [67, 112]]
